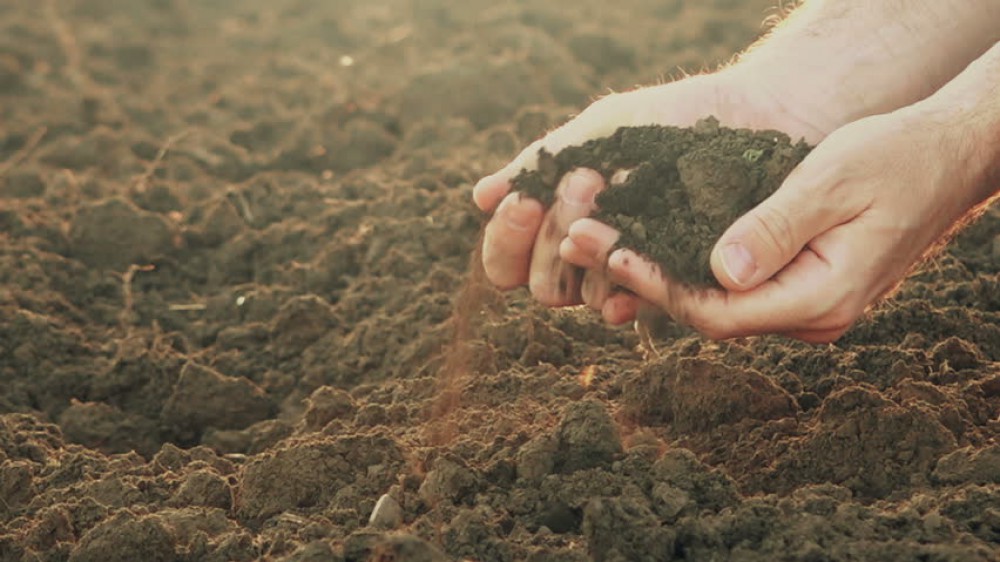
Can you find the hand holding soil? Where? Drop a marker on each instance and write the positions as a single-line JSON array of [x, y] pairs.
[[838, 235], [519, 250]]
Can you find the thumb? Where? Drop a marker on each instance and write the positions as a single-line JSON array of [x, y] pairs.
[[600, 119], [766, 239]]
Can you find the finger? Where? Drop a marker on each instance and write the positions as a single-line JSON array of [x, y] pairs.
[[508, 240], [763, 241], [641, 276], [489, 191], [636, 273], [570, 252], [553, 281], [620, 308], [593, 238], [600, 119], [803, 297], [596, 287]]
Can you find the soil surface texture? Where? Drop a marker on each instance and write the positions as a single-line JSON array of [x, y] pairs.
[[237, 319], [681, 188]]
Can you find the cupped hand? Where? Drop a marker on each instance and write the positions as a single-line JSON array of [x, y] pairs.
[[842, 231], [521, 244]]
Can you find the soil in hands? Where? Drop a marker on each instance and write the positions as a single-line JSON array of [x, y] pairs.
[[684, 186]]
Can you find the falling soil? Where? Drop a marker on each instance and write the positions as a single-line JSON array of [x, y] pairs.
[[234, 238], [683, 187]]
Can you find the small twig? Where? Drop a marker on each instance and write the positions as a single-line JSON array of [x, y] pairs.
[[142, 180], [239, 201], [25, 151], [187, 307], [74, 59], [67, 43], [128, 301]]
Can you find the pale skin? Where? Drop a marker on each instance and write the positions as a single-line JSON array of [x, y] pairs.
[[902, 100]]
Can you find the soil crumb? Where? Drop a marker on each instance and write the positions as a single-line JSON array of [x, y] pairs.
[[682, 187]]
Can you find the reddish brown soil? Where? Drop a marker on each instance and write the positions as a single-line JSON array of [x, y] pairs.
[[228, 269]]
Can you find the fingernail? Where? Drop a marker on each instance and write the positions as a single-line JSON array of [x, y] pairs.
[[618, 260], [738, 263], [592, 237], [515, 214], [586, 244], [578, 190]]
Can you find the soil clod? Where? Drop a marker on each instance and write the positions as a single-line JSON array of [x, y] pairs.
[[684, 187]]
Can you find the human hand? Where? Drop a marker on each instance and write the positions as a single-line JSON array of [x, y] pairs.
[[806, 78], [522, 241], [842, 231]]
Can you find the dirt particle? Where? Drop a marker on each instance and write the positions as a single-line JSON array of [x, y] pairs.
[[867, 443], [367, 546], [309, 474], [326, 404], [203, 488], [16, 484], [22, 184], [114, 234], [105, 427], [204, 398], [125, 538], [625, 529], [970, 465], [537, 458], [957, 354], [447, 481], [299, 322], [681, 471], [588, 437], [698, 395], [387, 514]]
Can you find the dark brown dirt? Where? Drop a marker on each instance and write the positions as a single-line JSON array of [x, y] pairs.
[[229, 266], [684, 187]]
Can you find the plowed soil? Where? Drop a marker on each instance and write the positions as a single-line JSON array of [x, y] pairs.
[[235, 322]]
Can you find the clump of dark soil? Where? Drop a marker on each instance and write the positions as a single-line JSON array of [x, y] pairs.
[[684, 186]]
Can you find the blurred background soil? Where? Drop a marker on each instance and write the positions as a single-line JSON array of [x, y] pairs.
[[231, 238]]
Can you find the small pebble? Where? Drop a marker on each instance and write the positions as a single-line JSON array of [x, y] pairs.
[[388, 514]]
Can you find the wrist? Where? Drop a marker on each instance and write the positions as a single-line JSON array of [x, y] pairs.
[[966, 112]]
